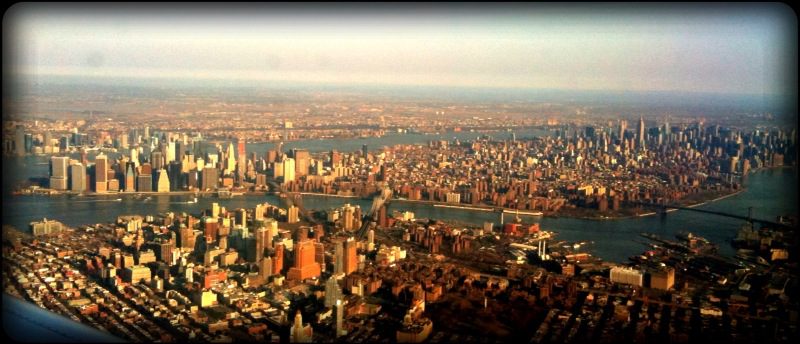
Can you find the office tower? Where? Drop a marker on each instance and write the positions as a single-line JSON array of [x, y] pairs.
[[77, 177], [241, 217], [371, 240], [63, 144], [130, 176], [288, 170], [135, 157], [298, 332], [332, 292], [302, 160], [349, 218], [241, 166], [305, 264], [350, 258], [215, 210], [101, 173], [58, 172], [623, 124], [293, 214], [382, 219], [209, 179], [261, 242], [28, 142], [144, 182], [277, 169], [339, 318], [157, 160], [277, 266], [265, 269], [169, 155], [336, 158], [258, 214], [364, 150], [338, 258], [272, 156], [319, 254], [640, 130], [162, 185], [176, 177], [230, 161], [19, 141]]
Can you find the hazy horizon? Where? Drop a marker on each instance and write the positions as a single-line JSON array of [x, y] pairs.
[[730, 50]]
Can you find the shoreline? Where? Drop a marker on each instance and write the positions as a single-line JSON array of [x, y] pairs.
[[437, 204]]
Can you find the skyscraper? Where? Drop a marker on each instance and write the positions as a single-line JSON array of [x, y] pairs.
[[230, 161], [241, 166], [77, 177], [350, 257], [288, 170], [157, 160], [338, 258], [332, 292], [130, 176], [302, 161], [261, 242], [209, 179], [640, 131], [101, 173], [163, 181], [58, 172], [305, 264], [293, 214]]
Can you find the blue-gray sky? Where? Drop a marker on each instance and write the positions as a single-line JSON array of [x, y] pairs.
[[709, 48]]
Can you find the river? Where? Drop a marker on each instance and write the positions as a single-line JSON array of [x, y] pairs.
[[770, 192]]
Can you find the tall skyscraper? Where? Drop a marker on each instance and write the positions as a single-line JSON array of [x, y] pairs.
[[338, 258], [265, 269], [339, 318], [288, 170], [302, 161], [623, 124], [277, 266], [261, 242], [641, 134], [58, 172], [77, 177], [163, 181], [293, 214], [241, 166], [300, 333], [350, 257], [305, 264], [101, 173], [230, 161], [130, 176], [332, 292], [209, 179], [19, 141]]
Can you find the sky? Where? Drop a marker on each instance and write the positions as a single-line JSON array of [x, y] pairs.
[[717, 48]]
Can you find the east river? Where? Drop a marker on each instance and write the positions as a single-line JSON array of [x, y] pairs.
[[770, 192]]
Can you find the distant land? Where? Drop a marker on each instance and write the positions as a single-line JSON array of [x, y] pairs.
[[653, 100]]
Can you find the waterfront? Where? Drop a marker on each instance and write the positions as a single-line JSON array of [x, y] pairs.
[[769, 192]]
